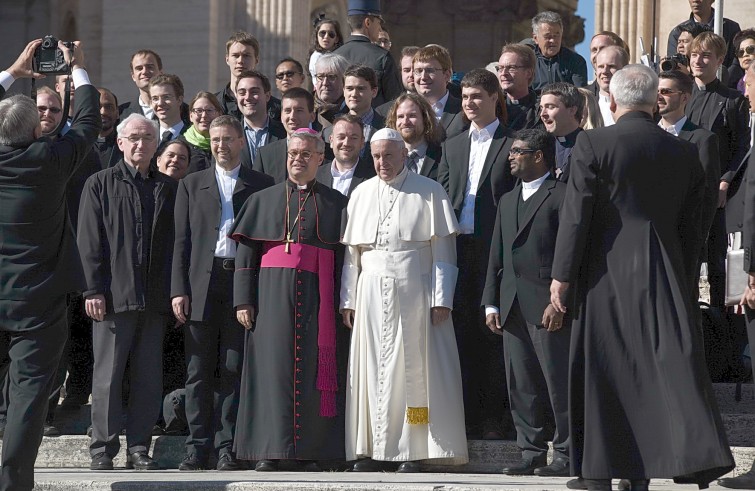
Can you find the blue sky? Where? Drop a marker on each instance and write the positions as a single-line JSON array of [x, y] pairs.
[[586, 9]]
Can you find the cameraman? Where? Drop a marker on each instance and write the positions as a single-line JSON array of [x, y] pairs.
[[39, 263]]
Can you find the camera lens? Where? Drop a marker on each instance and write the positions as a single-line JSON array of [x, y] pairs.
[[668, 65], [47, 43]]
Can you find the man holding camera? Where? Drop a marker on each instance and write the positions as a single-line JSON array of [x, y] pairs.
[[39, 263]]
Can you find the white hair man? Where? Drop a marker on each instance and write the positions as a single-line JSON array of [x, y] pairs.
[[637, 198], [555, 62]]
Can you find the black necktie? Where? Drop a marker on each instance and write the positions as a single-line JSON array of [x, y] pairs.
[[167, 136]]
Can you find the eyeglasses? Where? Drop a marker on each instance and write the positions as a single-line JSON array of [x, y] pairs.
[[222, 141], [200, 112], [330, 77], [746, 50], [288, 74], [508, 68], [520, 151], [51, 110], [664, 91], [330, 34], [304, 155], [140, 138], [429, 71]]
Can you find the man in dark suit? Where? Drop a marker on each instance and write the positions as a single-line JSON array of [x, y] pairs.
[[297, 111], [517, 305], [253, 93], [39, 263], [202, 294], [724, 112], [347, 169], [432, 70], [475, 172], [242, 53], [365, 21], [702, 14], [516, 70], [126, 213], [561, 107], [674, 93], [166, 95], [413, 117], [628, 246], [106, 146]]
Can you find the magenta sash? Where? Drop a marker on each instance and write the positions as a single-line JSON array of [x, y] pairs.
[[321, 262]]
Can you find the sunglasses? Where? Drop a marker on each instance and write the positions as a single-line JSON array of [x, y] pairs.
[[665, 91], [520, 151], [330, 34], [288, 74], [52, 110], [746, 50]]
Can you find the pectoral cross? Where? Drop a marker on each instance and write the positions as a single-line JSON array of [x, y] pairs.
[[288, 243]]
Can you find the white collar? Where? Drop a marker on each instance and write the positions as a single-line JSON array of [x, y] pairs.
[[677, 126], [536, 183], [337, 173], [487, 131], [175, 129], [441, 104], [234, 173]]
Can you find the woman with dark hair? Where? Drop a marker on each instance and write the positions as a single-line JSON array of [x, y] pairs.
[[744, 44], [203, 109], [326, 37], [172, 158]]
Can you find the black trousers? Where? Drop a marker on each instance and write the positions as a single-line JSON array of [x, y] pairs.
[[717, 244], [537, 375], [34, 356], [480, 354], [136, 337], [214, 355]]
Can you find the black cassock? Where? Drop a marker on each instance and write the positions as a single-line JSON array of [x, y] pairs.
[[280, 404], [640, 398]]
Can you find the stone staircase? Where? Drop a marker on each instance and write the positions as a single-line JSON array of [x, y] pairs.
[[486, 456]]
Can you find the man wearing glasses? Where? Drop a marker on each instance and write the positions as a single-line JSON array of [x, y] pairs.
[[516, 70], [365, 22], [125, 239], [289, 74], [517, 305], [329, 78], [432, 70], [283, 289]]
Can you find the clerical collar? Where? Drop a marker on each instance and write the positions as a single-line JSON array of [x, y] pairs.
[[230, 173], [524, 101], [709, 87], [568, 140], [536, 183], [301, 187]]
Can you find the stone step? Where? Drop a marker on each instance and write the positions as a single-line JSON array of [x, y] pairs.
[[486, 456], [726, 398]]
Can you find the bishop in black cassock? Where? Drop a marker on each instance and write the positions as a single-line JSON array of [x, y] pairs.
[[287, 238]]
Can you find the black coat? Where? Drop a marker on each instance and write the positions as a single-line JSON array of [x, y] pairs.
[[735, 197], [110, 240], [108, 150], [364, 170], [730, 29], [748, 229], [521, 256], [432, 161], [495, 179], [271, 160], [197, 216], [525, 114], [378, 123], [707, 146], [38, 257], [567, 66], [359, 50], [628, 242]]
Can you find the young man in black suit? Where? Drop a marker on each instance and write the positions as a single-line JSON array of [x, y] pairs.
[[475, 172], [202, 293], [347, 169], [39, 264], [517, 305]]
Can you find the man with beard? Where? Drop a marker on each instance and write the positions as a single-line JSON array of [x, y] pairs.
[[347, 169], [407, 77], [106, 144], [415, 120]]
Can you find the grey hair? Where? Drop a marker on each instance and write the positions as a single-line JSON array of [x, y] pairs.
[[135, 117], [19, 118], [546, 17], [634, 86], [332, 63], [310, 135]]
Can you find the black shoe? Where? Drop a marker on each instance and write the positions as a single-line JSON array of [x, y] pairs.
[[577, 483], [266, 466], [50, 430], [157, 430], [192, 463], [742, 481], [226, 462], [598, 484], [101, 462], [522, 468], [141, 461], [407, 467], [310, 466], [558, 468], [368, 465]]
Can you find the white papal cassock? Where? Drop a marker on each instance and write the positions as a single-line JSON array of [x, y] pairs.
[[403, 396]]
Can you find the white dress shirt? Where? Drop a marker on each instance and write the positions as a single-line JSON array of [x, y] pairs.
[[147, 110], [675, 128], [439, 106], [604, 103], [175, 130], [479, 145], [226, 179], [341, 180], [528, 189]]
